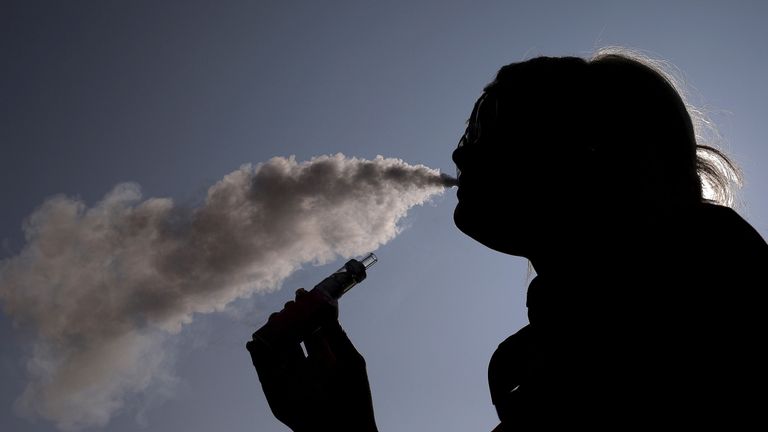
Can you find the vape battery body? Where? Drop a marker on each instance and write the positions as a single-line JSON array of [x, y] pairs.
[[343, 279]]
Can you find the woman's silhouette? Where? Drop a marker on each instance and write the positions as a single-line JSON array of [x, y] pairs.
[[646, 304]]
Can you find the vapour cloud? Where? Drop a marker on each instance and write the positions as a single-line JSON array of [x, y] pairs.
[[104, 287]]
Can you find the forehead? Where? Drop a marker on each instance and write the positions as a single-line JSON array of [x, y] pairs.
[[483, 117], [485, 110]]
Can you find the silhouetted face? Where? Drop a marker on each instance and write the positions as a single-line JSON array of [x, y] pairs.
[[501, 180], [518, 188]]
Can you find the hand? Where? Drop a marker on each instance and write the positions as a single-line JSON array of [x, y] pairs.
[[326, 390]]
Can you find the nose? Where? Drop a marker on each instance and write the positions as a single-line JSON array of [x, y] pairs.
[[459, 161], [458, 156]]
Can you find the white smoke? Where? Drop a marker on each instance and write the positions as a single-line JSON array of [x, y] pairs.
[[104, 287]]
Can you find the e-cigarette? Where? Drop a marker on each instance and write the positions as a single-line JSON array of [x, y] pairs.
[[303, 319]]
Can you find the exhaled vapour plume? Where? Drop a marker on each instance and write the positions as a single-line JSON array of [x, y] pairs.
[[103, 287]]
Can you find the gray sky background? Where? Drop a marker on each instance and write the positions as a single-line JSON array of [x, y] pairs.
[[175, 94]]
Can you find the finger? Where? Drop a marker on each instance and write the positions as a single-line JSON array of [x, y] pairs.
[[282, 352], [318, 349], [274, 343], [282, 323], [293, 354], [273, 360]]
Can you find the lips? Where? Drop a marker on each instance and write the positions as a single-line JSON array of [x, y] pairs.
[[461, 187], [462, 192]]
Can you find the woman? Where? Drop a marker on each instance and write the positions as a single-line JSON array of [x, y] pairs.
[[645, 306]]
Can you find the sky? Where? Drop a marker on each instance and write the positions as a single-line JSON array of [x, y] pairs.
[[174, 95]]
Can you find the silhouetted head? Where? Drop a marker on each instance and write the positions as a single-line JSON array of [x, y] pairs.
[[569, 149]]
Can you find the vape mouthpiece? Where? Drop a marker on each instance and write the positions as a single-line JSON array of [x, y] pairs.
[[369, 261]]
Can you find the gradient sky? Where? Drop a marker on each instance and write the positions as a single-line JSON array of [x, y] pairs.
[[175, 94]]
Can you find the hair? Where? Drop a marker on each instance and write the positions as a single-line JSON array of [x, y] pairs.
[[720, 177], [637, 113]]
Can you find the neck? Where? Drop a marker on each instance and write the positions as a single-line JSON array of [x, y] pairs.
[[593, 253]]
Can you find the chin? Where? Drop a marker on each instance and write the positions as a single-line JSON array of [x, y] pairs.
[[480, 226]]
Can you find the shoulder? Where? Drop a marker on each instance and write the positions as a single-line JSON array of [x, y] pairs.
[[725, 228], [733, 258]]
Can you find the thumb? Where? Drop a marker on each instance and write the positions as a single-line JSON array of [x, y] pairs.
[[339, 343]]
